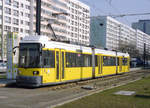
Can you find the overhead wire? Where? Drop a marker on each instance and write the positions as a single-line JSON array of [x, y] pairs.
[[110, 4], [97, 9]]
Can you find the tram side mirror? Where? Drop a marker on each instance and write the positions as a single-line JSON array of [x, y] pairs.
[[41, 47], [40, 52], [14, 52]]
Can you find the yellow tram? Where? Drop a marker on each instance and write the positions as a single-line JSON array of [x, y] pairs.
[[45, 62]]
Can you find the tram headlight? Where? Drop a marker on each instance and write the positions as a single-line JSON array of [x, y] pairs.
[[35, 72], [18, 72]]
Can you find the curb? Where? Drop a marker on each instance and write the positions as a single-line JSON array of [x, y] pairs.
[[96, 91], [7, 84], [3, 85]]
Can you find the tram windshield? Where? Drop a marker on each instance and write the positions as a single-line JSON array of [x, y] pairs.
[[29, 55]]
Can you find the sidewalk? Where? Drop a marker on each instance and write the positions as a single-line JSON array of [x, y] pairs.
[[6, 82], [135, 69]]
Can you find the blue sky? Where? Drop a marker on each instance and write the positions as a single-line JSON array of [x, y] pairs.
[[105, 7]]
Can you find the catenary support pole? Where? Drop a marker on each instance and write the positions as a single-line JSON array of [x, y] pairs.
[[144, 54], [38, 17]]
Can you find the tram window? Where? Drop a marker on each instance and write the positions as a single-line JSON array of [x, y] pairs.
[[79, 60], [109, 61], [52, 59], [118, 61], [96, 64], [70, 60], [87, 60], [125, 61], [48, 59]]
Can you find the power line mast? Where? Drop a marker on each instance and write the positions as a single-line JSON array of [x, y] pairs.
[[38, 17]]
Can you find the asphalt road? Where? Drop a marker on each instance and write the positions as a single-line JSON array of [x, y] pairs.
[[13, 97]]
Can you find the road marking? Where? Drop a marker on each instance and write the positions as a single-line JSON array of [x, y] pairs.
[[3, 97]]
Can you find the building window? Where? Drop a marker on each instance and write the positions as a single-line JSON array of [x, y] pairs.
[[22, 5], [27, 15], [27, 7], [21, 13], [21, 21], [8, 2], [7, 19], [16, 13], [27, 31], [15, 21], [16, 4], [27, 23], [8, 11], [15, 29], [7, 28], [21, 30]]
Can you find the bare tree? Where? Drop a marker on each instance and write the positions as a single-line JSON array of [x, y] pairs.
[[129, 48]]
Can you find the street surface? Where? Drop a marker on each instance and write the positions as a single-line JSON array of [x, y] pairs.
[[45, 97], [36, 98]]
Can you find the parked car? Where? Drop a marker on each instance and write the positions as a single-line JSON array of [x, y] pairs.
[[3, 67]]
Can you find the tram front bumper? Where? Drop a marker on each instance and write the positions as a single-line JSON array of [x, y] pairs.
[[29, 81]]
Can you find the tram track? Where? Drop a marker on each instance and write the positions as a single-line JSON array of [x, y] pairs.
[[52, 96], [102, 81], [99, 85]]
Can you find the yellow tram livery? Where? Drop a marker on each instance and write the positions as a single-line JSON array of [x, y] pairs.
[[46, 62]]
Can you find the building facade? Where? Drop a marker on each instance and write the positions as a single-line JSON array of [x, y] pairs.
[[143, 25], [109, 33], [58, 22], [14, 17], [70, 19], [71, 23], [78, 22]]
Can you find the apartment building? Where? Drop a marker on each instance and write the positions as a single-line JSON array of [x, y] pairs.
[[58, 22], [78, 22], [143, 38], [142, 25], [16, 18], [71, 23], [109, 33], [16, 15]]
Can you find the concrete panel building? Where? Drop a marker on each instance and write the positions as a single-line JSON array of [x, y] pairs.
[[17, 16], [59, 23], [78, 22], [72, 22], [14, 17], [143, 25], [109, 33]]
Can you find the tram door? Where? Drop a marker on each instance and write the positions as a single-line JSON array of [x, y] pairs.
[[100, 64], [123, 64], [60, 65], [120, 64]]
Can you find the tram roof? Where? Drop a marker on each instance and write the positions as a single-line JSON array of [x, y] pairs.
[[44, 40]]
